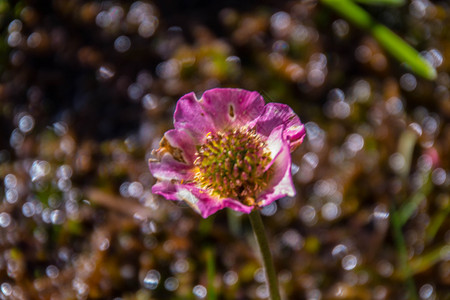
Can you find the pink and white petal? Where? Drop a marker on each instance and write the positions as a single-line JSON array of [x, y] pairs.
[[281, 184], [201, 201], [275, 143], [236, 205], [166, 189], [228, 106], [189, 115], [170, 169], [276, 114], [182, 139]]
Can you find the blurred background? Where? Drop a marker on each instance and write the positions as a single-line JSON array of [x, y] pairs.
[[89, 87]]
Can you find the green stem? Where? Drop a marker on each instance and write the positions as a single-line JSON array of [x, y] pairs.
[[399, 240], [260, 234]]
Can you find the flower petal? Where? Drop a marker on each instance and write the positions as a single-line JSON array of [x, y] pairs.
[[281, 184], [166, 189], [189, 115], [200, 201], [170, 169], [182, 140], [236, 205], [275, 143], [234, 107], [276, 114]]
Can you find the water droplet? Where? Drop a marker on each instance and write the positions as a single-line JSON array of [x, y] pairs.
[[439, 176], [122, 44], [340, 28], [148, 27], [6, 289], [103, 19], [308, 214], [292, 239], [199, 291], [416, 128], [311, 159], [39, 169], [280, 21], [269, 210], [394, 105], [355, 142], [330, 211], [336, 95], [149, 102], [64, 184], [124, 189], [230, 278], [363, 54], [430, 125], [14, 39], [259, 275], [181, 266], [64, 172], [5, 219], [262, 291], [316, 77], [396, 161], [57, 217], [16, 139], [28, 209], [10, 181], [408, 82], [26, 123], [151, 279], [135, 189], [52, 271], [314, 294], [11, 196], [104, 245], [171, 284], [105, 72], [434, 57], [339, 251], [15, 25], [135, 91], [381, 212], [426, 291], [34, 40], [349, 262]]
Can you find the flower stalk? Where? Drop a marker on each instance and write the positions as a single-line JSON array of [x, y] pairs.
[[261, 238]]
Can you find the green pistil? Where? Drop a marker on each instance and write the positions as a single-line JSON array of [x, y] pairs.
[[231, 165]]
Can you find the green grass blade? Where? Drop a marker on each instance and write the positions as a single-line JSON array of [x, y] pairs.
[[211, 271], [391, 42], [437, 220]]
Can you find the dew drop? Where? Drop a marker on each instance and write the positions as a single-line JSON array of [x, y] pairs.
[[230, 278], [199, 291], [151, 279], [349, 262], [122, 44], [171, 284], [26, 123], [10, 181], [408, 82], [5, 219]]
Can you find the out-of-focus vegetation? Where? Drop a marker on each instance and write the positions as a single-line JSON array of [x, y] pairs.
[[88, 88]]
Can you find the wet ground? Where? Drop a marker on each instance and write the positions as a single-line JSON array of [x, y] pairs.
[[88, 88]]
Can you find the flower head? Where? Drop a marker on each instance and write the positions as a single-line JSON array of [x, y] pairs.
[[228, 149]]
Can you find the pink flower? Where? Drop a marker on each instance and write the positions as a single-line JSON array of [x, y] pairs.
[[228, 149]]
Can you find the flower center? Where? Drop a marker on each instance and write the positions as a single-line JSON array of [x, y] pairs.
[[231, 165]]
